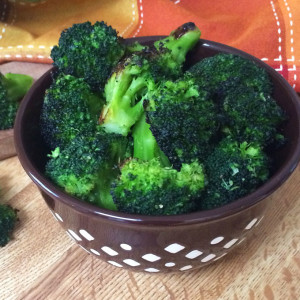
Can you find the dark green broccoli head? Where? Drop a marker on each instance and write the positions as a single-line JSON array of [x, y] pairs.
[[251, 116], [183, 120], [145, 187], [80, 167], [233, 170], [212, 72], [13, 88], [70, 108], [8, 219], [88, 51]]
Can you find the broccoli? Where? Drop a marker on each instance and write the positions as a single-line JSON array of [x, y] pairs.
[[136, 75], [8, 219], [183, 120], [86, 165], [88, 51], [148, 188], [251, 116], [169, 54], [212, 72], [70, 108], [124, 93], [233, 170], [13, 88], [156, 139]]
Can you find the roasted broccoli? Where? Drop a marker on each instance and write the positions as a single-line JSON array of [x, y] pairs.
[[70, 108], [124, 93], [156, 139], [251, 116], [13, 88], [212, 72], [145, 187], [233, 170], [183, 120], [88, 51], [87, 164], [8, 219]]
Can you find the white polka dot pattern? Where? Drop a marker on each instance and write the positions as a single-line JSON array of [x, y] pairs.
[[109, 251], [131, 262], [185, 268], [151, 270], [230, 243], [197, 255], [217, 240], [174, 248], [193, 254], [126, 247], [151, 257], [251, 224], [86, 235]]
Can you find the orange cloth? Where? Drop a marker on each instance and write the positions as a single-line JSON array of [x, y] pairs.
[[269, 30]]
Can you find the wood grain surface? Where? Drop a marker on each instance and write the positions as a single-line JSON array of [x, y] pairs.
[[42, 262]]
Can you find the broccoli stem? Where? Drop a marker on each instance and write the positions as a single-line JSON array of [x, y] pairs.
[[180, 42], [123, 107], [16, 85], [145, 145]]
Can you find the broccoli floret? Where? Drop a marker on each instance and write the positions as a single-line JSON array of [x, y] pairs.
[[183, 120], [88, 51], [129, 84], [251, 116], [70, 108], [86, 165], [124, 92], [212, 72], [8, 219], [233, 170], [13, 88], [148, 188], [168, 55]]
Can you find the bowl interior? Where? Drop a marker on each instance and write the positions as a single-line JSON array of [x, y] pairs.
[[32, 151]]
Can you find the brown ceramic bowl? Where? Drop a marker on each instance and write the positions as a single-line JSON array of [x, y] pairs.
[[157, 243]]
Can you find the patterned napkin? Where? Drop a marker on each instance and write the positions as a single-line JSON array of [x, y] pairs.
[[269, 30]]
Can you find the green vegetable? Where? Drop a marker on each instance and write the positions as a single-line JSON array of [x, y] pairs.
[[70, 108], [8, 219], [86, 165], [145, 187], [233, 170], [13, 88], [183, 120], [88, 51], [157, 139]]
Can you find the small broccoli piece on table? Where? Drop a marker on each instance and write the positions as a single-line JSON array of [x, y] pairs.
[[88, 51], [13, 88], [86, 165], [8, 219], [233, 170], [148, 188], [251, 116], [183, 119], [212, 72], [70, 108]]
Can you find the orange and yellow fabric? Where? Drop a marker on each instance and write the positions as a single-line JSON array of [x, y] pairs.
[[267, 29]]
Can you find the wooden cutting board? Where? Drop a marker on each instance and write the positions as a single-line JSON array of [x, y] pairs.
[[42, 262]]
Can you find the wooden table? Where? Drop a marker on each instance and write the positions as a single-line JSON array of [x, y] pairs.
[[42, 262]]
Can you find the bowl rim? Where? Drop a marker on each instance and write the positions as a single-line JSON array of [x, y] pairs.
[[281, 175]]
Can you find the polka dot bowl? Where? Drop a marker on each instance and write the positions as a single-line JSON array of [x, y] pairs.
[[158, 243]]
